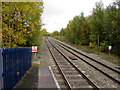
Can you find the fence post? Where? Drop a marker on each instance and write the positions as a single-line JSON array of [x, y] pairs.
[[1, 70]]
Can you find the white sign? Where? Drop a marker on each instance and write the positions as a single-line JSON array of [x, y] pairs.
[[110, 47], [34, 48]]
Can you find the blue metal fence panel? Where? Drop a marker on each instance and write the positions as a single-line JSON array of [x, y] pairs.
[[1, 70], [16, 61]]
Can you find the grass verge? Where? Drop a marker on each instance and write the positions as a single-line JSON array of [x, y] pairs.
[[111, 58]]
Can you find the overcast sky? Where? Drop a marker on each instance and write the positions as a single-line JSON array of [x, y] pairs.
[[57, 13]]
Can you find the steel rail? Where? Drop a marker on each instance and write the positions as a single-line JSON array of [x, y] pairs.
[[80, 72], [117, 81], [63, 75]]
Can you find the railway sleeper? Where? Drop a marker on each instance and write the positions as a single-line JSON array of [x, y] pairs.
[[82, 87], [82, 83], [74, 77], [65, 64], [62, 84], [63, 67], [70, 73], [77, 80], [72, 57], [68, 69]]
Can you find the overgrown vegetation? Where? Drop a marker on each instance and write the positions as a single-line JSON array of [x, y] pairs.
[[99, 30], [21, 23]]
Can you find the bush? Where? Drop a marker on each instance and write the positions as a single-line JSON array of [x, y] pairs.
[[61, 38], [104, 46], [91, 45]]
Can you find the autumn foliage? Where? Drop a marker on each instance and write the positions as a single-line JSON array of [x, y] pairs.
[[21, 23]]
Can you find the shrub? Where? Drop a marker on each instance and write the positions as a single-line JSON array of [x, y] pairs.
[[104, 46], [91, 45]]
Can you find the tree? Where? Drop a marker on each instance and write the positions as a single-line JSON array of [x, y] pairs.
[[112, 27], [21, 21], [44, 32], [96, 23], [55, 33], [100, 29], [77, 30], [63, 32], [85, 28]]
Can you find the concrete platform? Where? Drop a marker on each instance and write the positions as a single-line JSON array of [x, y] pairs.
[[46, 78]]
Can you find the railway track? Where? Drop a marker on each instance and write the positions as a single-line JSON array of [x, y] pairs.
[[104, 69], [109, 72], [72, 76]]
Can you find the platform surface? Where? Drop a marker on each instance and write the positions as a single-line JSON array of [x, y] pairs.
[[45, 79]]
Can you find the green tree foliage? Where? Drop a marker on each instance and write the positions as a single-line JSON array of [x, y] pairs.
[[78, 29], [96, 24], [74, 30], [55, 33], [85, 28], [63, 32], [112, 27], [44, 32], [100, 29], [21, 23]]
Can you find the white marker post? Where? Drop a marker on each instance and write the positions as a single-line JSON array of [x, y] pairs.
[[109, 48], [34, 50]]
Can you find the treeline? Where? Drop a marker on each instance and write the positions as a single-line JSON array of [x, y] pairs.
[[21, 23], [99, 30]]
